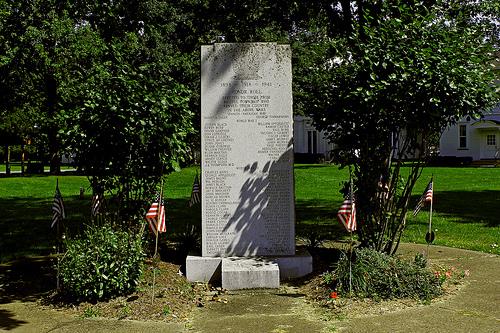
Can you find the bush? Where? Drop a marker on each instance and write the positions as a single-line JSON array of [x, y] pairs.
[[102, 264], [378, 275]]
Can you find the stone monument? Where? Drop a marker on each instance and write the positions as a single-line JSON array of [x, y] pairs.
[[248, 213]]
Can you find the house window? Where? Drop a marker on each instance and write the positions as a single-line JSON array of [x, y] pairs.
[[462, 136], [491, 140], [312, 142]]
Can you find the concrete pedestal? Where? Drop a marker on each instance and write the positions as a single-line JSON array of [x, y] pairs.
[[234, 273], [249, 273], [203, 269]]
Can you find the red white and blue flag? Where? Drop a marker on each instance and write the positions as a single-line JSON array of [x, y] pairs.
[[57, 207], [426, 197], [156, 216], [95, 207], [195, 193], [347, 213]]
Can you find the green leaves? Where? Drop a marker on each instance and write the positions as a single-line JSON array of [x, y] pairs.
[[103, 263], [405, 71], [377, 275]]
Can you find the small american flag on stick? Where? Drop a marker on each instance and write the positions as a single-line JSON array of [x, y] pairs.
[[97, 200], [195, 193], [156, 216], [57, 207], [426, 197], [347, 213]]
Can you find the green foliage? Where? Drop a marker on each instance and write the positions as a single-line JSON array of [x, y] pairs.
[[383, 89], [133, 120], [189, 240], [378, 275], [91, 312], [125, 311], [106, 82], [103, 263], [420, 260], [312, 238], [47, 51]]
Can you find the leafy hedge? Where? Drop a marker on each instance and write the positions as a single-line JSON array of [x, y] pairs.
[[378, 275], [101, 264]]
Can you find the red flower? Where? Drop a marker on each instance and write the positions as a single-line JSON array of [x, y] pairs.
[[334, 295]]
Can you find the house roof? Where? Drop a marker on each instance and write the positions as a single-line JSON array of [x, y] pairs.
[[492, 117], [488, 121], [496, 109]]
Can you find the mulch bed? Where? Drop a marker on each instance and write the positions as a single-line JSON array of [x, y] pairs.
[[174, 298]]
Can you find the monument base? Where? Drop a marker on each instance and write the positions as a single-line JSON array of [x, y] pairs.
[[249, 273], [234, 273]]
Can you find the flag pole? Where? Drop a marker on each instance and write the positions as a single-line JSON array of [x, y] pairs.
[[350, 265], [429, 228], [158, 216], [350, 232], [57, 243]]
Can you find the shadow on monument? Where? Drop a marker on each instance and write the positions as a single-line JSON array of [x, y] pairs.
[[261, 213], [254, 60]]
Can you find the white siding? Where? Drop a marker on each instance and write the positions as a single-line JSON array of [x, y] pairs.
[[301, 126], [299, 135], [449, 143]]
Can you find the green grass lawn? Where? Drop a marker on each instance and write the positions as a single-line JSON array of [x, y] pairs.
[[25, 212], [16, 167], [466, 207]]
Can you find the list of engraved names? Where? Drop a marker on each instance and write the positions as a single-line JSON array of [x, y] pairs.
[[247, 168]]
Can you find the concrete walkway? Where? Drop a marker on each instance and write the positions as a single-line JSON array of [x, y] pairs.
[[475, 308]]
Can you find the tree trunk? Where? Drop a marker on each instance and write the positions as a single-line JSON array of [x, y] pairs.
[[7, 160], [22, 158], [55, 160]]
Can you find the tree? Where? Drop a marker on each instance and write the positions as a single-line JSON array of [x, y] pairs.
[[401, 73], [132, 119], [103, 81], [44, 51]]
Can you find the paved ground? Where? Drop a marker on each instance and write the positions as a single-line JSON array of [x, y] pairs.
[[475, 308]]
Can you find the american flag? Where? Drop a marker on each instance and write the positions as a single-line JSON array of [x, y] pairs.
[[383, 188], [156, 216], [347, 213], [195, 193], [96, 204], [57, 207], [426, 197]]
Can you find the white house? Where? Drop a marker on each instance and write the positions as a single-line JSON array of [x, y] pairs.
[[478, 139], [307, 139]]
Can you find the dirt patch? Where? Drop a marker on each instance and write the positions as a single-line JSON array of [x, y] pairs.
[[172, 298], [341, 307]]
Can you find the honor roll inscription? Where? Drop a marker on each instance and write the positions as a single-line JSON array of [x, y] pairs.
[[247, 153]]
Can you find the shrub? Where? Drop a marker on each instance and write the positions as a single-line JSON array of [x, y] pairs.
[[378, 275], [188, 240], [101, 264]]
